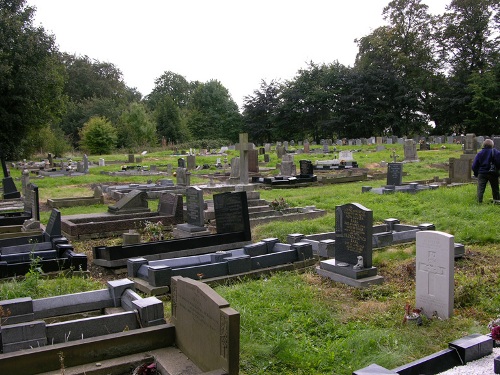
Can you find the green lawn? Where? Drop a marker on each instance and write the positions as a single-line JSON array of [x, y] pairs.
[[299, 323]]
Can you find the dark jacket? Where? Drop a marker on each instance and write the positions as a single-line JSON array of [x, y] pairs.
[[481, 163]]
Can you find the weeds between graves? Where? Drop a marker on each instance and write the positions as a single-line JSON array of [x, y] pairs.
[[295, 323]]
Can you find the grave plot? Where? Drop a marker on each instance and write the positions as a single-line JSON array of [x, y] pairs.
[[232, 226], [128, 213], [97, 198], [352, 264], [51, 251], [154, 277], [123, 332], [288, 176], [391, 232], [17, 214]]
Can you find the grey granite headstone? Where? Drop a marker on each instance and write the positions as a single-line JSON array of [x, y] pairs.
[[194, 206], [435, 273], [207, 328]]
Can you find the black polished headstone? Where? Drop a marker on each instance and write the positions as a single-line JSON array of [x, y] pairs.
[[353, 234], [306, 168], [231, 212], [395, 174]]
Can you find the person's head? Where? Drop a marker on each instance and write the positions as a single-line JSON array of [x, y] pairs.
[[488, 143]]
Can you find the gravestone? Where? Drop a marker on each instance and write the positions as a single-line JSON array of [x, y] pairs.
[[135, 201], [496, 143], [253, 161], [353, 234], [346, 155], [181, 163], [306, 168], [244, 146], [131, 158], [353, 248], [266, 158], [170, 204], [435, 273], [231, 212], [235, 168], [306, 147], [395, 174], [470, 146], [9, 187], [207, 328], [267, 147], [410, 150], [183, 176], [460, 169], [191, 162], [280, 151], [195, 206]]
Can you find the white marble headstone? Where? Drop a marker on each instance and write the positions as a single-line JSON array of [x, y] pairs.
[[435, 273]]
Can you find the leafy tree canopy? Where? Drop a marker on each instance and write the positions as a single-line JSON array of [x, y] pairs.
[[31, 78]]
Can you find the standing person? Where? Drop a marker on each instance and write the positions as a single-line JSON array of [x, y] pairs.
[[481, 169]]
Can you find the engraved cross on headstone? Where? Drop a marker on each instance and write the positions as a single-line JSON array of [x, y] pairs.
[[243, 146]]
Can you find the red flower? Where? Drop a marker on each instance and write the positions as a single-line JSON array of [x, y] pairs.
[[495, 333]]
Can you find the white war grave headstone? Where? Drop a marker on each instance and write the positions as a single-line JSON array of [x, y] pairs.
[[435, 273]]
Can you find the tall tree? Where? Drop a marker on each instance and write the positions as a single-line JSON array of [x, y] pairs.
[[259, 111], [469, 38], [93, 88], [170, 122], [173, 85], [31, 78], [136, 128], [213, 114]]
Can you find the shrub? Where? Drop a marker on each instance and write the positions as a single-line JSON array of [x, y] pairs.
[[98, 136]]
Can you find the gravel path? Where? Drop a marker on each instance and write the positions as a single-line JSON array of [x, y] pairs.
[[483, 366]]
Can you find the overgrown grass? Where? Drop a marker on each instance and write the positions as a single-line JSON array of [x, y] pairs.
[[294, 323]]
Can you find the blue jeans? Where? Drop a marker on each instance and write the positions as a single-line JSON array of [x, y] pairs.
[[482, 180]]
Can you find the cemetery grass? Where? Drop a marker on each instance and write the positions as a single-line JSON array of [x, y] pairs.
[[299, 323]]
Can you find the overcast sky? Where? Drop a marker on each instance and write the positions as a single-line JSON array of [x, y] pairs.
[[237, 42]]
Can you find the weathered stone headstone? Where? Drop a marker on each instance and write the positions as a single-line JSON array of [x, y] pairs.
[[496, 143], [170, 204], [345, 155], [410, 150], [280, 151], [207, 328], [183, 177], [181, 163], [243, 146], [235, 168], [306, 147], [191, 162], [395, 174], [267, 147], [253, 161], [435, 273], [460, 169], [470, 146], [131, 158], [266, 158], [135, 201]]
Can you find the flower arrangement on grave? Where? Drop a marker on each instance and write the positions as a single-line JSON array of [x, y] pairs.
[[494, 327], [279, 204], [153, 231], [412, 315]]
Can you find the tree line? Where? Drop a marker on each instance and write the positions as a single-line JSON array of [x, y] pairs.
[[418, 74]]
